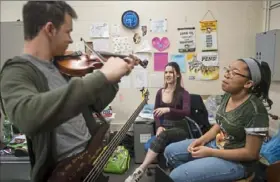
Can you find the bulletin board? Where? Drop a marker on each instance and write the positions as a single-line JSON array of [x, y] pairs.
[[190, 37]]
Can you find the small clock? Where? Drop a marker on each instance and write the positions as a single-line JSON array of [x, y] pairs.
[[130, 19]]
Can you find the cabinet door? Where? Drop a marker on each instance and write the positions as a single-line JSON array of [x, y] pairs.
[[12, 40], [265, 48], [11, 45]]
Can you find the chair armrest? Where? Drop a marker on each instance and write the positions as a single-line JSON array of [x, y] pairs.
[[195, 124]]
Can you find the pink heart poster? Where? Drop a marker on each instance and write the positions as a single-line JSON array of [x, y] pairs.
[[160, 60], [160, 44]]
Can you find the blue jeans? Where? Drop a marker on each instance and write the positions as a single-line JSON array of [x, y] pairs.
[[208, 169]]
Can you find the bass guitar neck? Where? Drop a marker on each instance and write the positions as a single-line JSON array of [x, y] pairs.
[[88, 165]]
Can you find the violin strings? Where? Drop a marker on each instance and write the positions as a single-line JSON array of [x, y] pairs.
[[95, 173], [93, 176]]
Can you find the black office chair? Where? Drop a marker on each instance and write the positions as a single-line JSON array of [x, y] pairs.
[[198, 122]]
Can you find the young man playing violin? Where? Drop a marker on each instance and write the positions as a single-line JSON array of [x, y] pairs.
[[40, 102]]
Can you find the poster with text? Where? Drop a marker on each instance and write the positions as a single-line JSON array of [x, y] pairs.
[[203, 66], [209, 35], [186, 41]]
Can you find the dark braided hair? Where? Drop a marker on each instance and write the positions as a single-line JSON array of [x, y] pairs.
[[262, 89]]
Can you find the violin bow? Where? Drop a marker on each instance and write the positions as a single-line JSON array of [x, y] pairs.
[[103, 60]]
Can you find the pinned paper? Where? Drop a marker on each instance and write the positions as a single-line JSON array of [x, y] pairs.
[[99, 30], [160, 44], [180, 59], [204, 66], [101, 44], [144, 46], [137, 38], [160, 61], [122, 45], [209, 35], [144, 30], [158, 26], [186, 42], [115, 30]]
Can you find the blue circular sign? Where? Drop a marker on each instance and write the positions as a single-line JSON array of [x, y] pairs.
[[130, 19]]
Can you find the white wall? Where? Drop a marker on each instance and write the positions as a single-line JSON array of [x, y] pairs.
[[274, 23], [274, 17], [238, 22]]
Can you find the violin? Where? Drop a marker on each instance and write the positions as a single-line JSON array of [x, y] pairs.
[[77, 64]]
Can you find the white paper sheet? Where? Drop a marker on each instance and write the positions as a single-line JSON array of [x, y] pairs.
[[125, 82], [158, 26], [98, 30], [122, 45], [156, 80], [101, 44], [115, 30], [140, 78], [144, 47], [209, 41]]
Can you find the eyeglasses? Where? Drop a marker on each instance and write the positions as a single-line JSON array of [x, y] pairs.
[[233, 73]]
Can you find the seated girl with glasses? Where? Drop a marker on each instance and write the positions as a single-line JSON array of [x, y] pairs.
[[229, 150], [172, 104]]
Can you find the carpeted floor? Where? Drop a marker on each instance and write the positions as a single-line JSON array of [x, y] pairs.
[[22, 170], [132, 167]]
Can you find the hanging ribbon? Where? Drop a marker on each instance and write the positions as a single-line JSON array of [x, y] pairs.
[[210, 12]]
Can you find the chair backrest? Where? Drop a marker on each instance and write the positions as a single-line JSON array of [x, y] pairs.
[[199, 113]]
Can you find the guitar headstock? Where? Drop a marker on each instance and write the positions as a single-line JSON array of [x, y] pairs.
[[145, 94]]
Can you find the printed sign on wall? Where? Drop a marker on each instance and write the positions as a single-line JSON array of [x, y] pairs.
[[204, 66], [209, 35], [186, 41]]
